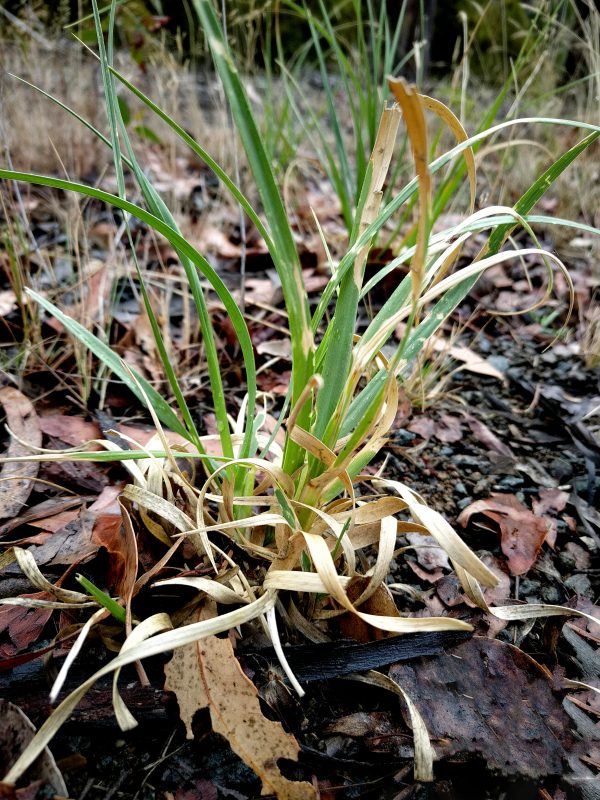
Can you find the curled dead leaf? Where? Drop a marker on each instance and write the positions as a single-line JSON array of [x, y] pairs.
[[522, 532]]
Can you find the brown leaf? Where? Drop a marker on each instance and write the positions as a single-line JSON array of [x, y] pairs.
[[16, 479], [274, 382], [448, 429], [522, 532], [107, 501], [69, 429], [56, 522], [75, 430], [405, 409], [86, 476], [16, 732], [582, 560], [314, 282], [70, 544], [487, 699], [428, 554], [423, 426], [23, 625], [73, 541], [110, 533], [424, 574], [281, 348], [554, 500], [473, 362], [261, 291], [201, 790], [213, 240], [208, 675], [42, 515], [488, 438], [380, 603]]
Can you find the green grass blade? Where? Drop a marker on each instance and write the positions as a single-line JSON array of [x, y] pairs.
[[102, 351], [228, 182], [104, 599], [114, 111], [285, 254], [160, 210], [112, 107], [179, 243], [539, 188], [338, 350]]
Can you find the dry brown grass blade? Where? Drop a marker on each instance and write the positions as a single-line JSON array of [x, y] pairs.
[[31, 570], [312, 445], [455, 125], [383, 150], [315, 383], [96, 617], [152, 636], [424, 753], [151, 626], [207, 674], [516, 612], [411, 105], [325, 567], [444, 534]]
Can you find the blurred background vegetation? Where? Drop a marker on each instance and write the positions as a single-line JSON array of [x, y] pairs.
[[496, 28]]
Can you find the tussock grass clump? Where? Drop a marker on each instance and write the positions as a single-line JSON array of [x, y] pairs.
[[300, 512]]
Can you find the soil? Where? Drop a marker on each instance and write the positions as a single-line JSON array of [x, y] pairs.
[[540, 424]]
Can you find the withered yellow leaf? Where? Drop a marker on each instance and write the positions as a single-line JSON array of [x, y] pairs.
[[411, 104], [208, 675]]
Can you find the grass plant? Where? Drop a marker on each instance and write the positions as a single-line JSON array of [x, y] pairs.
[[299, 513], [362, 63]]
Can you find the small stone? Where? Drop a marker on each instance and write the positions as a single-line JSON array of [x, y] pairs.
[[483, 343], [580, 484], [560, 469], [464, 502], [581, 557], [528, 586], [500, 362], [446, 451], [510, 483], [460, 489], [581, 585], [567, 559], [549, 357], [481, 487], [467, 461], [550, 594], [405, 437]]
